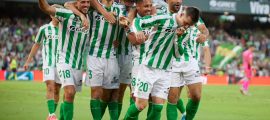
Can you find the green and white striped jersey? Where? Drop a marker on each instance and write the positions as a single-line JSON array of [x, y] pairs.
[[48, 36], [188, 44], [73, 38], [124, 47], [103, 33], [160, 44], [139, 50]]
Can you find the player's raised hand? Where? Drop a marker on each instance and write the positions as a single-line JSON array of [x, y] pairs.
[[123, 21], [110, 17], [85, 21], [140, 37], [201, 38]]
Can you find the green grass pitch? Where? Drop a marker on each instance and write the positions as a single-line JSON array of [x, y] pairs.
[[23, 100]]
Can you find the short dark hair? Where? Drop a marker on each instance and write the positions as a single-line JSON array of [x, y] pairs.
[[138, 1], [194, 13]]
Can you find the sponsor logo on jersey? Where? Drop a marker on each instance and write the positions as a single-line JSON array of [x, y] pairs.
[[78, 29], [99, 18], [52, 36], [169, 30]]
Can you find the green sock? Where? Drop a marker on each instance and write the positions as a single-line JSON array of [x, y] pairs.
[[113, 110], [119, 109], [171, 111], [155, 113], [131, 101], [103, 106], [132, 113], [95, 109], [50, 104], [149, 108], [192, 108], [68, 110], [55, 106], [180, 106], [61, 112]]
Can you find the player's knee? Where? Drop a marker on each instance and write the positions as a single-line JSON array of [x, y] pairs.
[[69, 94], [196, 97], [115, 95], [141, 104], [50, 88], [172, 98], [96, 93]]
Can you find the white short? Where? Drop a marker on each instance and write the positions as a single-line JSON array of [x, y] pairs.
[[185, 73], [69, 75], [125, 65], [154, 81], [102, 72], [50, 73], [134, 74]]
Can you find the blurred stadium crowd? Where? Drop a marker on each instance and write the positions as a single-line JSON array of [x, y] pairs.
[[17, 36]]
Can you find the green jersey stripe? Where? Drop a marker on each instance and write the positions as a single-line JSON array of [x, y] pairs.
[[72, 38], [110, 43], [70, 41], [168, 60], [94, 40], [160, 44], [40, 35], [103, 34], [156, 50], [142, 51], [127, 46], [76, 49], [64, 32], [163, 51], [103, 39], [120, 39], [50, 49], [82, 51], [48, 35]]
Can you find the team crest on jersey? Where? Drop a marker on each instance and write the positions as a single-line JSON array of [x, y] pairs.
[[78, 29]]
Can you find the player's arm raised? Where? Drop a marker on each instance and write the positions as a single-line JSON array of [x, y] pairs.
[[109, 16], [71, 6], [45, 7], [202, 37]]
